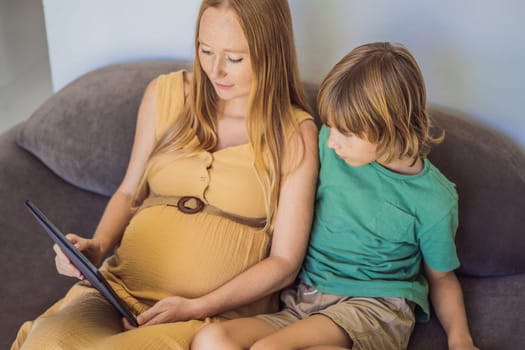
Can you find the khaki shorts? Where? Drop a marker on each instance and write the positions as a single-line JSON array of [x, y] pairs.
[[371, 323]]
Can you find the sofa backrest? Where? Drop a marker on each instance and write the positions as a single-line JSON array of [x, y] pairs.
[[85, 131], [489, 172]]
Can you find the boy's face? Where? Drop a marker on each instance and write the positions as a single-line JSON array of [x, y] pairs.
[[355, 151]]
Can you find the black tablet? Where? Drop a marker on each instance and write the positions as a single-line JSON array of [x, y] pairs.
[[90, 272]]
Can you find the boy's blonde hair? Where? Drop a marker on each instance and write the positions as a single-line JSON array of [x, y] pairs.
[[377, 92]]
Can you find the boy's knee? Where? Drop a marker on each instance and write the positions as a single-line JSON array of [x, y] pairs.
[[212, 336]]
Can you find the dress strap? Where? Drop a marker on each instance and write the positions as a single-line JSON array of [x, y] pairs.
[[192, 205]]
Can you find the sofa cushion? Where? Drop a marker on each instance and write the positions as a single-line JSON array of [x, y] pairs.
[[84, 132], [489, 172]]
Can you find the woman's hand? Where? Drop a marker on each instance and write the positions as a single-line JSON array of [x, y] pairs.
[[89, 247], [170, 309]]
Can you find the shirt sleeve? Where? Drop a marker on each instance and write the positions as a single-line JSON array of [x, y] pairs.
[[438, 245], [323, 138]]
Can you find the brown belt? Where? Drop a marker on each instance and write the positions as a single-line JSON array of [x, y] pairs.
[[193, 205]]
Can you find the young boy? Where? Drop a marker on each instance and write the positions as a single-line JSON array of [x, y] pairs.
[[384, 226]]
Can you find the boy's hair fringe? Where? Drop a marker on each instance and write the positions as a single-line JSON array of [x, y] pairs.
[[377, 92]]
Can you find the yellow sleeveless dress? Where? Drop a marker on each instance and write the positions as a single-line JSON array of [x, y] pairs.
[[165, 252]]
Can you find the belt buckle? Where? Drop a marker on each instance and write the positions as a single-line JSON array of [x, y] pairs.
[[181, 205]]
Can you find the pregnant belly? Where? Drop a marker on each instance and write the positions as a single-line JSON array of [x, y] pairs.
[[165, 252]]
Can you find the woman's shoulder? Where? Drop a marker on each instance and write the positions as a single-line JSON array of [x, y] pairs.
[[300, 114], [176, 80], [171, 90]]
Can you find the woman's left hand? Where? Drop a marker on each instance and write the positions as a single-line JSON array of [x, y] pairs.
[[170, 309]]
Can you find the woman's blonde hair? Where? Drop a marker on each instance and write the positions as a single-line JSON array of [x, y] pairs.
[[377, 92], [276, 87]]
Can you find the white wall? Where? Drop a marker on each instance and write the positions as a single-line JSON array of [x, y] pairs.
[[4, 72], [21, 34], [24, 65], [84, 35], [472, 51]]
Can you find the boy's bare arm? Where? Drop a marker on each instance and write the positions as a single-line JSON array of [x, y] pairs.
[[447, 299]]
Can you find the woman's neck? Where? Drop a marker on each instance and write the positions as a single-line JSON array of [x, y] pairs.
[[236, 108], [231, 124]]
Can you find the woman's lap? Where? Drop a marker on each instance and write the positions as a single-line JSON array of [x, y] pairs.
[[83, 319]]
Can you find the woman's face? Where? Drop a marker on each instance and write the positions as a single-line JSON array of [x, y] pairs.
[[224, 54]]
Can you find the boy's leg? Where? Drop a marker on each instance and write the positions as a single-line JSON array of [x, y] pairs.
[[242, 333], [313, 331], [235, 334]]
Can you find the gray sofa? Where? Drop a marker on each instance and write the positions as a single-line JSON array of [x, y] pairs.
[[70, 155]]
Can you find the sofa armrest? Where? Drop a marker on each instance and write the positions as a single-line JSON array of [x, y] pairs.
[[26, 255]]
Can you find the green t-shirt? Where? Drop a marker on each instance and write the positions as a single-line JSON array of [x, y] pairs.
[[373, 227]]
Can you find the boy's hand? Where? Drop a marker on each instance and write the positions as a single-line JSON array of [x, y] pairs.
[[464, 347], [447, 298]]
